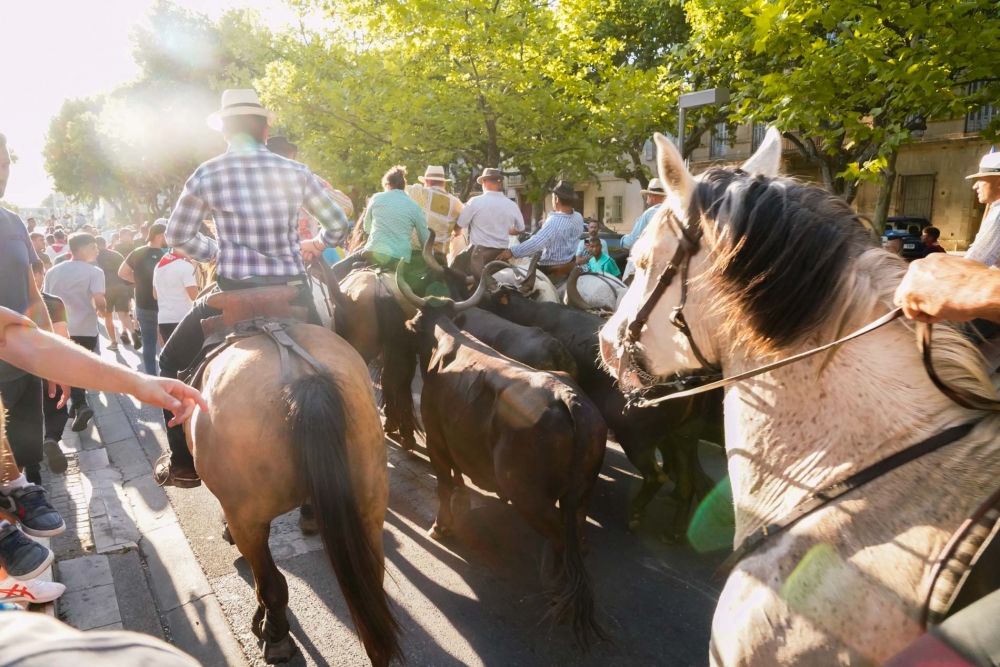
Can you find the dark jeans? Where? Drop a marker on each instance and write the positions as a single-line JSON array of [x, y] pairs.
[[166, 330], [147, 325], [79, 395], [343, 267], [22, 398], [55, 418], [187, 340]]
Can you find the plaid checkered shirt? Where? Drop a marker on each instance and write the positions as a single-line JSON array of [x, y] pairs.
[[556, 239], [255, 197]]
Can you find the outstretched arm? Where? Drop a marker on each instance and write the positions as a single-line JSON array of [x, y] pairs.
[[945, 287], [46, 355]]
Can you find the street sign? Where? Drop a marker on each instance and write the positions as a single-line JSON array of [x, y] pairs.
[[703, 98]]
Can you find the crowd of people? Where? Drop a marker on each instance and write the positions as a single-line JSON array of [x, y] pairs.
[[270, 215]]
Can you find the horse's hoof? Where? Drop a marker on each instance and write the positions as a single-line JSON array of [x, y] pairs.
[[439, 533], [279, 651], [226, 535], [308, 525], [461, 503]]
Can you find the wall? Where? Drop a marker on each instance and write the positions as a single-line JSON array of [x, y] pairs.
[[954, 207], [945, 150]]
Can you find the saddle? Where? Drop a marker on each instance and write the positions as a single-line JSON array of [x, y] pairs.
[[558, 272], [272, 302], [246, 313]]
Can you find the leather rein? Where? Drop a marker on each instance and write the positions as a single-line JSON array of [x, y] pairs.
[[711, 379]]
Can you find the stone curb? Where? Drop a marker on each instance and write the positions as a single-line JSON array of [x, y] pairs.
[[124, 559]]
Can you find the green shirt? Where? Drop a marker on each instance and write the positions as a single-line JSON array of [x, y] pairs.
[[391, 218], [603, 265]]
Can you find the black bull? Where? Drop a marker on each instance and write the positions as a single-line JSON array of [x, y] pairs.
[[530, 436], [529, 345], [674, 428]]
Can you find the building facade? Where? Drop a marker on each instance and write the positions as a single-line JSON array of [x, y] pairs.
[[930, 181]]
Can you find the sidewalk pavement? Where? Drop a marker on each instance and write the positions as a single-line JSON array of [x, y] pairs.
[[124, 559]]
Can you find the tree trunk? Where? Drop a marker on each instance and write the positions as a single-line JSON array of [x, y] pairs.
[[467, 188], [637, 171], [538, 212], [886, 184]]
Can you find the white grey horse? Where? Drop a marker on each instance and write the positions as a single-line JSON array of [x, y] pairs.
[[783, 267]]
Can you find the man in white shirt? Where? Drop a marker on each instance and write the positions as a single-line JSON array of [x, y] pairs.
[[80, 284], [175, 289], [490, 218], [986, 247]]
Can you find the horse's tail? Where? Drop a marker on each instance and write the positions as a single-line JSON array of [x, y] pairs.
[[575, 596], [399, 363], [318, 422]]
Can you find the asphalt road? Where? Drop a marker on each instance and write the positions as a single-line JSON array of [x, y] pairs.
[[476, 600]]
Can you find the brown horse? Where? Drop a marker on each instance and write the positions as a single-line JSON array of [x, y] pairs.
[[371, 315], [266, 445]]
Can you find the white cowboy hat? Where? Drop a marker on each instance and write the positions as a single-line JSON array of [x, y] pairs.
[[433, 173], [239, 102], [655, 187], [988, 166]]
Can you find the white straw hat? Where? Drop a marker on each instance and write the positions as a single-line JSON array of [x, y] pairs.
[[240, 102], [988, 166], [655, 188], [433, 173]]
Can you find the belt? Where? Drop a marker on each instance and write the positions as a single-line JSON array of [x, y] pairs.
[[258, 281]]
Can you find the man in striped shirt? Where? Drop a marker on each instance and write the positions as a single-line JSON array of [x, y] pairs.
[[559, 234], [254, 196]]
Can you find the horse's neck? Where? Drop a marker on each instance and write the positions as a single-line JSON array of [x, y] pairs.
[[796, 430]]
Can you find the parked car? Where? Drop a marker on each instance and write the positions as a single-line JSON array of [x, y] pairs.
[[913, 247]]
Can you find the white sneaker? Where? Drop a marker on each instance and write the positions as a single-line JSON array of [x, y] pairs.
[[34, 591]]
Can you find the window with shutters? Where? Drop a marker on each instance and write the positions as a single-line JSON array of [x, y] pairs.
[[720, 141], [979, 119], [759, 132], [616, 209], [917, 195]]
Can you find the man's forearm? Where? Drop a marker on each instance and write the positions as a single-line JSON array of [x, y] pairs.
[[46, 355]]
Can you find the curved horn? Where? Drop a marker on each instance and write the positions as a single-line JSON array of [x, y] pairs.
[[491, 284], [527, 284], [477, 296], [573, 297], [429, 260], [404, 289]]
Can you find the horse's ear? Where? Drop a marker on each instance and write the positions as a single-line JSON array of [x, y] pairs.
[[676, 179], [767, 159]]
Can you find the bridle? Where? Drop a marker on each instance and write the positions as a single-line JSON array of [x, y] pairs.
[[709, 376], [689, 243]]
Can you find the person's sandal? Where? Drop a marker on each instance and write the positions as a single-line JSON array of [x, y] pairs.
[[167, 474]]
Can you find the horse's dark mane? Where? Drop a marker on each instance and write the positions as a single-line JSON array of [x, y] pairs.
[[782, 250]]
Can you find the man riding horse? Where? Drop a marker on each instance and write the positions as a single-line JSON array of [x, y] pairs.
[[255, 197], [556, 239]]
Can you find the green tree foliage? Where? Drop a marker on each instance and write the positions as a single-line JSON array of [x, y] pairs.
[[471, 83], [135, 146], [848, 81]]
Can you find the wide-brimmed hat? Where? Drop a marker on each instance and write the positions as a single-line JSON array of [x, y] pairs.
[[433, 173], [655, 187], [988, 166], [490, 174], [564, 190], [240, 102], [281, 145]]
